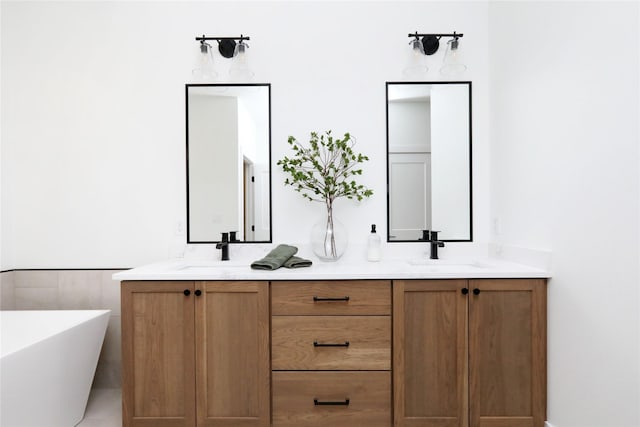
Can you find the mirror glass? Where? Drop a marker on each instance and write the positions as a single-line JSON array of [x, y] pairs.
[[429, 160], [228, 158]]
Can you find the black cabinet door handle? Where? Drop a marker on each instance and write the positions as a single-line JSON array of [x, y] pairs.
[[331, 403], [321, 299], [187, 292], [198, 292], [465, 291], [476, 291], [317, 344]]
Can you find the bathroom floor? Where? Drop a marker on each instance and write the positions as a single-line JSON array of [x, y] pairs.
[[104, 408]]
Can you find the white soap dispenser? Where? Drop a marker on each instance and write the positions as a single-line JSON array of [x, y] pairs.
[[373, 248]]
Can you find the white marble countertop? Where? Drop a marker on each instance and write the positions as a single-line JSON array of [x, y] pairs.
[[415, 268]]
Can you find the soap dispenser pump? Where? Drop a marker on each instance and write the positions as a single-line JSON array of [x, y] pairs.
[[373, 248]]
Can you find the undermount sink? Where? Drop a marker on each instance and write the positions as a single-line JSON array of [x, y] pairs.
[[448, 263], [210, 265]]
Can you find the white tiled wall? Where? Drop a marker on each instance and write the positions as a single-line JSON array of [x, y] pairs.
[[71, 290]]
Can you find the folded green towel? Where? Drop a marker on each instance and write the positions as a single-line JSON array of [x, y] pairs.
[[297, 262], [276, 258]]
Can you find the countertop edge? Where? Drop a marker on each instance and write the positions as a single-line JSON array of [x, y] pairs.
[[174, 270]]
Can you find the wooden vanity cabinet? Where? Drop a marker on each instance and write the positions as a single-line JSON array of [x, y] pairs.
[[195, 354], [469, 353], [375, 353]]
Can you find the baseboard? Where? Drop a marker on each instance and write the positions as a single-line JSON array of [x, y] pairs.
[[547, 424]]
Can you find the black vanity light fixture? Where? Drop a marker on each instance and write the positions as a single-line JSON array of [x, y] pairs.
[[228, 47], [428, 44]]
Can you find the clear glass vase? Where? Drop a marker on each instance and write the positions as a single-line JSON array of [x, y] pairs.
[[329, 238]]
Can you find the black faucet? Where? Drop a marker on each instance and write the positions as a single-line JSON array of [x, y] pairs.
[[434, 243], [224, 245]]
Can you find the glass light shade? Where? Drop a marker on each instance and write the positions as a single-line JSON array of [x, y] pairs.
[[452, 64], [416, 66], [204, 71], [240, 70]]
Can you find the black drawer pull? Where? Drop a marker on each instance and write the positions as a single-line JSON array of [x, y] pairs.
[[317, 344], [331, 403], [187, 292], [321, 299], [476, 291]]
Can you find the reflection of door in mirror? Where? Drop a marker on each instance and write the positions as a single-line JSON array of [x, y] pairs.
[[410, 186], [429, 170], [228, 156]]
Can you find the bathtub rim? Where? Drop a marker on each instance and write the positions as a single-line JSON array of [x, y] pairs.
[[12, 349]]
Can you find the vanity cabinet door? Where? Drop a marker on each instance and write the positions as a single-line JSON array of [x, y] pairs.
[[507, 352], [232, 360], [429, 353], [157, 354]]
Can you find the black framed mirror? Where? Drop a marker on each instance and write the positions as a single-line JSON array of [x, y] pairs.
[[429, 167], [228, 155]]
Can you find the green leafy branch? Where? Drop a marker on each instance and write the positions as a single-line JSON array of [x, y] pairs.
[[325, 170]]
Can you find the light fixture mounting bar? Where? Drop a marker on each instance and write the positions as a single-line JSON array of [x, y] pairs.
[[218, 39], [416, 34]]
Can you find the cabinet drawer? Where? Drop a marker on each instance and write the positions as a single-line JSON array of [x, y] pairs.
[[331, 342], [371, 297], [336, 399]]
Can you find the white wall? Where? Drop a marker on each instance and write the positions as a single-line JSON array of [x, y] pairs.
[[564, 143], [93, 114]]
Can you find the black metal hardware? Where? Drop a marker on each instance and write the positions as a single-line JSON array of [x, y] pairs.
[[431, 42], [187, 292], [198, 292], [321, 299], [435, 244], [226, 45], [204, 38], [455, 35], [331, 403], [224, 245], [465, 291], [476, 291], [317, 344]]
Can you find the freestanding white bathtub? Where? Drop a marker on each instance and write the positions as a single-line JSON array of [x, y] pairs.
[[48, 360]]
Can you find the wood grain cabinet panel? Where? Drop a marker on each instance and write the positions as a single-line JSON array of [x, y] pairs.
[[233, 369], [195, 354], [158, 350], [331, 399], [507, 352], [430, 358], [331, 343], [469, 353], [327, 298]]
